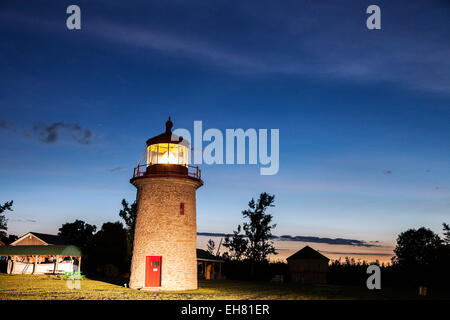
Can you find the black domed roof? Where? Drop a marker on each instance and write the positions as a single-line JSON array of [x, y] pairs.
[[167, 136]]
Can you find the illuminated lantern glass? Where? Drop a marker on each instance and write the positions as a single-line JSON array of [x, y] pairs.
[[167, 153]]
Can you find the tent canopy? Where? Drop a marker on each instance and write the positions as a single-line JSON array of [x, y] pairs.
[[56, 250]]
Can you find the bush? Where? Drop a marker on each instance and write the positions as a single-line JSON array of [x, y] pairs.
[[245, 270]]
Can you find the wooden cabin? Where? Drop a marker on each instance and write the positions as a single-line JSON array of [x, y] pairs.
[[308, 266]]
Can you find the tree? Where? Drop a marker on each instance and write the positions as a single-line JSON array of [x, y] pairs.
[[446, 228], [236, 245], [81, 234], [129, 214], [445, 254], [256, 245], [422, 257], [78, 233], [259, 229], [6, 206], [109, 247], [3, 220], [211, 246], [10, 238], [417, 248]]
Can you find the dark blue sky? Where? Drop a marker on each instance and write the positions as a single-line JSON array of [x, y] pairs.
[[363, 115]]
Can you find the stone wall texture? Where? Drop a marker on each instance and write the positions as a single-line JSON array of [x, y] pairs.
[[162, 231]]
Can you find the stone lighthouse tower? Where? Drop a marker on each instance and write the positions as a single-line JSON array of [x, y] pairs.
[[164, 250]]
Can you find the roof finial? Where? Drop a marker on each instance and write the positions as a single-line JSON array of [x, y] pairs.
[[169, 126]]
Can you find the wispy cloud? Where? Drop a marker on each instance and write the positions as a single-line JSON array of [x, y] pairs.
[[23, 220], [176, 45], [327, 40], [6, 125], [359, 253], [49, 134], [335, 241], [347, 51]]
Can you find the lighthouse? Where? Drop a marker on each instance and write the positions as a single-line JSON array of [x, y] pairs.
[[164, 247]]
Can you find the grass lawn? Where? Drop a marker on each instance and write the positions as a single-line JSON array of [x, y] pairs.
[[50, 287]]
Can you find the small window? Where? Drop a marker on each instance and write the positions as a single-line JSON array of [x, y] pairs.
[[182, 208], [155, 263]]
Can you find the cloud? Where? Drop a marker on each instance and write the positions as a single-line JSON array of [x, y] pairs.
[[115, 169], [326, 40], [359, 253], [49, 134], [23, 220], [6, 125], [336, 241], [179, 45], [86, 138], [303, 43]]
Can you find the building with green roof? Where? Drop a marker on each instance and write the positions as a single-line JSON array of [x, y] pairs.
[[38, 253]]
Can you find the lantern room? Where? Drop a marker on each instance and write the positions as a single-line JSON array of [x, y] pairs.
[[166, 154]]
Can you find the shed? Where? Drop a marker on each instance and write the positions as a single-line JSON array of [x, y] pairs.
[[209, 266], [308, 266]]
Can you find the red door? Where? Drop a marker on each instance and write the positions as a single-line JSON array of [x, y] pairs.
[[153, 271]]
